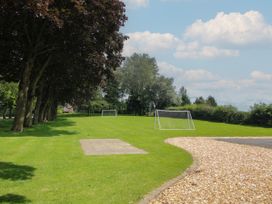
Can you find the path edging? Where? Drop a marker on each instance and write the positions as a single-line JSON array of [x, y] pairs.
[[155, 193]]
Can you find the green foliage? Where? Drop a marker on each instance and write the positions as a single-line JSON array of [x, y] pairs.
[[200, 100], [211, 101], [144, 86], [261, 114], [8, 95], [226, 114], [58, 51], [113, 91], [60, 110], [183, 98], [162, 93], [97, 106]]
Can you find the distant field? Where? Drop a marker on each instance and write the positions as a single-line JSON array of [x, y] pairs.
[[46, 164]]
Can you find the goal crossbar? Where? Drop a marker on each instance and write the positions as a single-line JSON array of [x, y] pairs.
[[173, 120], [110, 112]]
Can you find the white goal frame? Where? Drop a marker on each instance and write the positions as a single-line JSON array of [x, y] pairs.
[[189, 120], [109, 110]]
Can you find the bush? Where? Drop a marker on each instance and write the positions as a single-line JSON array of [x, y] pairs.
[[226, 114], [60, 110], [198, 111], [260, 114], [98, 105]]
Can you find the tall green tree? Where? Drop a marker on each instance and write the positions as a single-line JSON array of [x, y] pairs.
[[163, 92], [183, 96], [113, 90], [211, 101], [139, 73], [144, 86], [200, 100]]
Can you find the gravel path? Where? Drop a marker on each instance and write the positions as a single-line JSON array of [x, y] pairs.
[[225, 173]]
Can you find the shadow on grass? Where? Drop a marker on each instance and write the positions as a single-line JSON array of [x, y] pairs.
[[14, 172], [49, 129], [13, 198], [73, 115]]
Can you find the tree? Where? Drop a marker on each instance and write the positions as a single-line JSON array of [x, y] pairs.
[[25, 28], [113, 91], [211, 101], [199, 100], [163, 92], [183, 97], [144, 86], [8, 94], [260, 114], [138, 76], [58, 51]]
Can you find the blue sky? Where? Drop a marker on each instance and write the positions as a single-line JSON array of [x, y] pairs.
[[221, 48]]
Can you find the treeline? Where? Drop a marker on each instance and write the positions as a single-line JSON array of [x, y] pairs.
[[137, 88], [259, 114], [58, 52]]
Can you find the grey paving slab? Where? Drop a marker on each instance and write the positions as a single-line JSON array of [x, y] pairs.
[[261, 142], [108, 147]]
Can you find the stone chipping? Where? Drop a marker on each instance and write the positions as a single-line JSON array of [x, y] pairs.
[[225, 173]]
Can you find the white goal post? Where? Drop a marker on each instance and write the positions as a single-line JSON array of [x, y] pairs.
[[112, 112], [173, 120]]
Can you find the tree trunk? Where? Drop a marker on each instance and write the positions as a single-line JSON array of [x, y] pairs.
[[10, 112], [38, 102], [43, 111], [32, 92], [53, 110], [37, 109], [29, 111], [18, 123], [49, 110], [5, 112]]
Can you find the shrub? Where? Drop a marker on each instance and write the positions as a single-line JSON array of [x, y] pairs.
[[226, 114], [261, 114], [97, 106]]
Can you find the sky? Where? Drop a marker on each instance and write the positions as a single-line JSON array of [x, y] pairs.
[[221, 48]]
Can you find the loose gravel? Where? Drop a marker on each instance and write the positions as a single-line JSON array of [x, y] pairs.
[[225, 173]]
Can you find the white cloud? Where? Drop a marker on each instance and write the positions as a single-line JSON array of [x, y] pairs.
[[204, 40], [198, 75], [136, 3], [239, 92], [258, 75], [234, 28], [194, 50], [185, 75], [148, 42]]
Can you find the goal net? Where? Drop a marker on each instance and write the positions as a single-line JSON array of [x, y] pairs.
[[112, 112], [174, 120]]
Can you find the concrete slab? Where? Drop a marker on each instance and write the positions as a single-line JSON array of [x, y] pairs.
[[108, 147], [261, 142]]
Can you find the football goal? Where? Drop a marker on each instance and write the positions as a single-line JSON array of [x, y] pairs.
[[174, 120], [112, 112]]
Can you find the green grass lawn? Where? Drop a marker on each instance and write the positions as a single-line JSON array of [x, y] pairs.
[[45, 164]]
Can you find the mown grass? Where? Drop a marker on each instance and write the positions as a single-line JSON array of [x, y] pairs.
[[45, 164]]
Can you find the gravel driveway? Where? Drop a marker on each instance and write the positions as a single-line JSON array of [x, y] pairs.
[[225, 173]]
